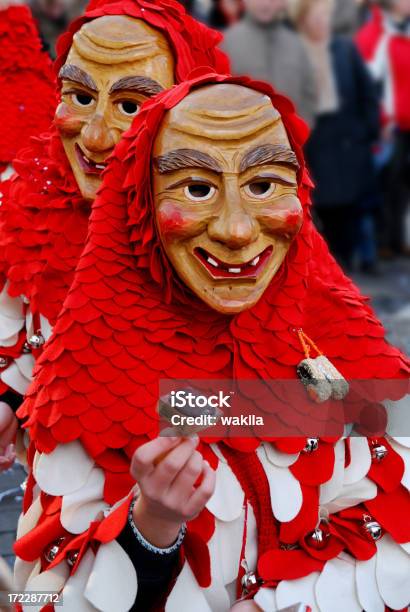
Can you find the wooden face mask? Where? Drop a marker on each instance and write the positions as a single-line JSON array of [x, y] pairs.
[[114, 64], [225, 193]]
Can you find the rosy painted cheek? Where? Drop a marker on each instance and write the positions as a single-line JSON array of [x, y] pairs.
[[66, 121], [293, 221], [284, 218], [175, 222]]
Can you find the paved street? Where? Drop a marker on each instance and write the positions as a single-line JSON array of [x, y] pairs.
[[390, 293]]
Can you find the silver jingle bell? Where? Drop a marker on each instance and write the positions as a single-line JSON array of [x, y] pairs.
[[72, 557], [52, 551], [379, 452], [319, 537], [3, 362], [36, 341], [373, 530], [249, 581], [26, 348], [312, 444]]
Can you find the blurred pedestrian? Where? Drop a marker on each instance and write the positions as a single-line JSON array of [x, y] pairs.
[[339, 149], [200, 9], [262, 46], [346, 17], [53, 17], [385, 44], [225, 13]]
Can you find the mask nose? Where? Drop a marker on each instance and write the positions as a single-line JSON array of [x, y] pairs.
[[97, 136], [235, 229]]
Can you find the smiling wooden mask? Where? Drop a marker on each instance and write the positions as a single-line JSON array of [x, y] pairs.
[[225, 192], [114, 64]]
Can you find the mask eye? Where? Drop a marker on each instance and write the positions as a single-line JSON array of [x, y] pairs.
[[82, 99], [128, 108], [260, 189], [199, 192]]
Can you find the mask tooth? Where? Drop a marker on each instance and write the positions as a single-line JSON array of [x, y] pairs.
[[234, 270], [212, 262]]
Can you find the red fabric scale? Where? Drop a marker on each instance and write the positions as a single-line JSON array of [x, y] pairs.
[[43, 226], [27, 84], [141, 334]]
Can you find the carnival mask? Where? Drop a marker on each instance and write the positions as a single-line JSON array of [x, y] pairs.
[[114, 64], [225, 192]]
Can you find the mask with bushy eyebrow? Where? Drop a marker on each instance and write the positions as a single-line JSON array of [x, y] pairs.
[[115, 63], [225, 192]]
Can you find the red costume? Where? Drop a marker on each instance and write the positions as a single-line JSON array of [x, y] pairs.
[[44, 219], [127, 322], [386, 49], [27, 85]]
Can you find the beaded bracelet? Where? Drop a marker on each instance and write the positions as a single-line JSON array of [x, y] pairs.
[[147, 545]]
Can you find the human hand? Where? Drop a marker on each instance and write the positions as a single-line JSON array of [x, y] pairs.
[[8, 428], [168, 495]]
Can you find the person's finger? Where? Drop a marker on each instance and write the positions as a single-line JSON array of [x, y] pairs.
[[7, 458], [203, 493], [8, 435], [182, 486], [166, 471], [6, 415], [142, 461]]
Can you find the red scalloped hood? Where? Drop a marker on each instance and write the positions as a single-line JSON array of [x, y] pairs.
[[128, 322]]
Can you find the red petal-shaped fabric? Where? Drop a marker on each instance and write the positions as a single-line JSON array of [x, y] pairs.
[[27, 84], [392, 510], [203, 525], [278, 565], [317, 467], [388, 472], [306, 519], [197, 553]]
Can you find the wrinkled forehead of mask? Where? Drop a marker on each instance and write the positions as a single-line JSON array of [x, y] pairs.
[[114, 39], [222, 113]]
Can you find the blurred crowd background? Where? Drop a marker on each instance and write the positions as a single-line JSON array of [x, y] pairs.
[[346, 66]]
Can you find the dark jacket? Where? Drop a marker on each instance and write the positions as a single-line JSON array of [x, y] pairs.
[[339, 149]]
